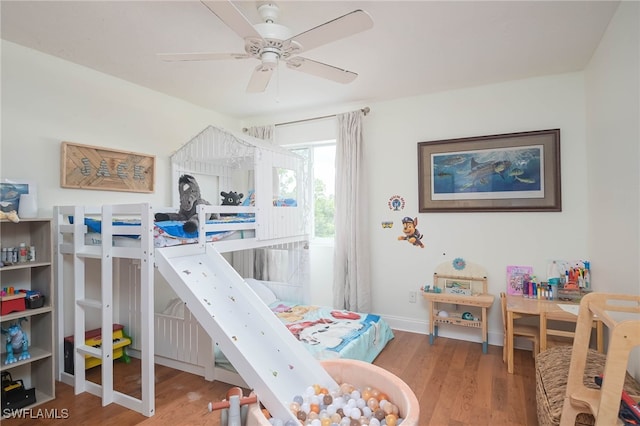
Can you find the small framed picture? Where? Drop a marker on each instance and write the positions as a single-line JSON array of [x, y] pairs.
[[10, 192], [457, 287]]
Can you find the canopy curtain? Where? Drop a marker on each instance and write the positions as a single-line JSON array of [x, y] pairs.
[[351, 280], [262, 132]]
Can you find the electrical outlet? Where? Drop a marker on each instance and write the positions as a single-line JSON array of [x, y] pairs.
[[412, 297]]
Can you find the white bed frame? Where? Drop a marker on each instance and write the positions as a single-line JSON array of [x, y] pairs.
[[124, 291]]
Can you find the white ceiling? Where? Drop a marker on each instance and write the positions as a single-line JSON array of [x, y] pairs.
[[414, 47]]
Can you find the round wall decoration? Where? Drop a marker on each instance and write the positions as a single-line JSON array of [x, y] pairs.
[[396, 203], [459, 264]]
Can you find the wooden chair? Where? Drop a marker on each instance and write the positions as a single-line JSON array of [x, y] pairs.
[[560, 332], [562, 329], [529, 332]]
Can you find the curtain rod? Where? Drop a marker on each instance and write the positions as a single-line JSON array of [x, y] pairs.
[[365, 110]]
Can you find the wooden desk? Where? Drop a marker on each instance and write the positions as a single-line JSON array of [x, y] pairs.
[[519, 306]]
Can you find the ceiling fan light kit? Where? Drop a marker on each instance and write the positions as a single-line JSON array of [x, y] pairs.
[[271, 43]]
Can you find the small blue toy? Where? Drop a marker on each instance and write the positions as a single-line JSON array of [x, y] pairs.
[[16, 341]]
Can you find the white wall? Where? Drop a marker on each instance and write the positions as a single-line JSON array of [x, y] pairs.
[[46, 100], [613, 156]]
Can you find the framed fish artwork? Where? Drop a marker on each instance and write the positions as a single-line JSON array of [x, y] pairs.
[[499, 173]]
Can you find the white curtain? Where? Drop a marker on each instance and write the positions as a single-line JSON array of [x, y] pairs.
[[262, 132], [351, 281]]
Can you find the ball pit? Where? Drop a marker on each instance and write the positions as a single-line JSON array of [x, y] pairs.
[[363, 378]]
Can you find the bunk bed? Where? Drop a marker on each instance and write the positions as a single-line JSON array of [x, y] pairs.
[[122, 286]]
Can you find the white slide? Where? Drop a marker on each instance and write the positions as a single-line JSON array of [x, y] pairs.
[[263, 351]]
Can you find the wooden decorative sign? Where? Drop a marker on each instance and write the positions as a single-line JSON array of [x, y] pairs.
[[92, 167]]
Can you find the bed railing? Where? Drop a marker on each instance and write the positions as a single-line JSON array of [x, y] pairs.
[[266, 228]]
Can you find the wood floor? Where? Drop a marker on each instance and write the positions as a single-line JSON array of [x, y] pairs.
[[456, 384]]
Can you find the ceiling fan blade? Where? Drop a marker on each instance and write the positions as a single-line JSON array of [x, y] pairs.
[[344, 26], [204, 56], [232, 17], [259, 79], [321, 70]]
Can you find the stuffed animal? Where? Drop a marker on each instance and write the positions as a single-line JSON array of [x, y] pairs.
[[190, 199], [231, 198], [17, 342], [12, 216]]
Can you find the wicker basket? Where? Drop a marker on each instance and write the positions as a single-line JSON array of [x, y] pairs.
[[552, 371]]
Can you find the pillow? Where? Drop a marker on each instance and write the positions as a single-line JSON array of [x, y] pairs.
[[263, 292], [175, 308]]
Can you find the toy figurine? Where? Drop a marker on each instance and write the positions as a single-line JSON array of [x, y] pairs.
[[16, 341]]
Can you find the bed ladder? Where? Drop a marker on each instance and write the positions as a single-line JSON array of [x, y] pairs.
[[105, 305]]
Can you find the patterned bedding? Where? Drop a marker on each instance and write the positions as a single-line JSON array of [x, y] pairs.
[[331, 333], [170, 233], [166, 233]]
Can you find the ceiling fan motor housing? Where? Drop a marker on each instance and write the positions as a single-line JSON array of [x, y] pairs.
[[273, 45]]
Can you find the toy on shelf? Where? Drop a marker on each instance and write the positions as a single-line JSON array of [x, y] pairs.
[[16, 342], [94, 338], [12, 300], [11, 216]]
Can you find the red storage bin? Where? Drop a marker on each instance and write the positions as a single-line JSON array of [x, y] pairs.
[[13, 303]]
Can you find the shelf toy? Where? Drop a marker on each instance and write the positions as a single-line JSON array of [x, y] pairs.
[[16, 341]]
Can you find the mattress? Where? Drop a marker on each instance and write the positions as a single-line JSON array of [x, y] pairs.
[[166, 233], [170, 233]]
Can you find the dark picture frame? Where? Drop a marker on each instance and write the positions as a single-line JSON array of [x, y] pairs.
[[498, 173]]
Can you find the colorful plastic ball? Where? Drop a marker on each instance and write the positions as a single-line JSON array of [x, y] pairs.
[[372, 403], [391, 420]]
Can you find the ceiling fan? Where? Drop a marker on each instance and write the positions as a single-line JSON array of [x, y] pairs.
[[271, 43]]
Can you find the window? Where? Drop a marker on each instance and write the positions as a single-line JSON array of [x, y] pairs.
[[321, 168]]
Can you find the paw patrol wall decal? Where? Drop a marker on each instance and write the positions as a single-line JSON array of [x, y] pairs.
[[411, 233], [396, 203], [387, 224]]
